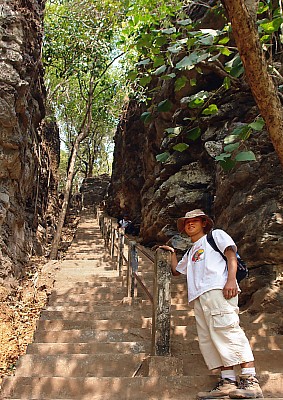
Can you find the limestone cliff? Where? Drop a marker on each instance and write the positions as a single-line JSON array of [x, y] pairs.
[[27, 171]]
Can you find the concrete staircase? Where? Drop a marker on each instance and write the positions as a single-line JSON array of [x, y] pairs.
[[93, 343]]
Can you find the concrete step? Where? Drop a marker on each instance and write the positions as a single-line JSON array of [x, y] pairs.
[[193, 363], [86, 316], [88, 335], [100, 324], [134, 347], [85, 287], [86, 297], [79, 365], [101, 388], [190, 343], [122, 388], [185, 330], [89, 305], [97, 306]]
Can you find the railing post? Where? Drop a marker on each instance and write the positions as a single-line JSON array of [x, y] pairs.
[[112, 242], [161, 304], [121, 239], [132, 268]]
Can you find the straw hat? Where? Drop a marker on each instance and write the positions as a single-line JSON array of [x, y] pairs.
[[193, 214]]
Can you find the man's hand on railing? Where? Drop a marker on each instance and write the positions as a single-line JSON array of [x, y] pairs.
[[174, 260], [165, 247]]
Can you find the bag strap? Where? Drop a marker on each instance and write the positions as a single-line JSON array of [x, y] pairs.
[[211, 241]]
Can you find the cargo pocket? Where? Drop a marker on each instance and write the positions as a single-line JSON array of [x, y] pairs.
[[224, 319]]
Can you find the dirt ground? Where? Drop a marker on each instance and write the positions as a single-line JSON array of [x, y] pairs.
[[21, 307]]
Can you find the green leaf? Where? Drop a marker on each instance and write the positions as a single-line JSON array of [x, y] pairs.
[[164, 106], [132, 75], [169, 76], [160, 70], [195, 57], [227, 82], [184, 22], [160, 41], [272, 26], [162, 157], [235, 66], [196, 103], [207, 40], [180, 83], [224, 50], [231, 147], [145, 41], [145, 80], [222, 156], [169, 31], [265, 38], [158, 61], [193, 82], [242, 129], [262, 8], [230, 139], [210, 110], [196, 100], [174, 131], [146, 117], [227, 164], [194, 133], [245, 156], [181, 147], [224, 40], [237, 71], [176, 48], [257, 125], [144, 62]]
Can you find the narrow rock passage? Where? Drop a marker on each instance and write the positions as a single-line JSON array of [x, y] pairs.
[[92, 343]]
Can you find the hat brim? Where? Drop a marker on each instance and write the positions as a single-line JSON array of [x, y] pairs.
[[181, 223]]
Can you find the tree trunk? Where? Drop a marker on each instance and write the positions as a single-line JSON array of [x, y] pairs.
[[262, 86], [84, 132], [62, 216]]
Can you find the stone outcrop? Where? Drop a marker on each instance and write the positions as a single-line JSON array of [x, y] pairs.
[[93, 190], [27, 171], [246, 201]]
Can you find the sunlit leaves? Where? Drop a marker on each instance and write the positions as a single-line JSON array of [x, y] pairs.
[[272, 26], [233, 151]]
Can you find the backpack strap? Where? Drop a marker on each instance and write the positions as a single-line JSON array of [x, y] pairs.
[[211, 241]]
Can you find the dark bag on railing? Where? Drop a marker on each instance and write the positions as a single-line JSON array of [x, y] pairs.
[[242, 269]]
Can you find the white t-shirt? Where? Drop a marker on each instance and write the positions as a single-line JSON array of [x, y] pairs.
[[205, 268]]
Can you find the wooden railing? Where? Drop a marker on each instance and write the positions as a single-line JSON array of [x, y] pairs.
[[117, 242]]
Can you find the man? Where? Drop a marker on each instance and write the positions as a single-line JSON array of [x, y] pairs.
[[213, 289]]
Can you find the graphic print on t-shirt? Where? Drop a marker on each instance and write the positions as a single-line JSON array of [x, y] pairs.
[[198, 255]]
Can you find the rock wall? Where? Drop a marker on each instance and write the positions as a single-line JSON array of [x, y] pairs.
[[26, 169], [94, 190], [247, 201]]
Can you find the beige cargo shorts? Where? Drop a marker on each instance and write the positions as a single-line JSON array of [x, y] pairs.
[[221, 339]]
